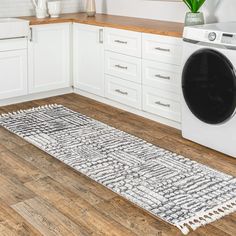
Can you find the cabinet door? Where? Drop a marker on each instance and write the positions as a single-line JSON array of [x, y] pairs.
[[13, 73], [49, 57], [89, 58]]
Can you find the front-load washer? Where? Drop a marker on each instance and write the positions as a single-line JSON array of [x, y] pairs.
[[209, 86]]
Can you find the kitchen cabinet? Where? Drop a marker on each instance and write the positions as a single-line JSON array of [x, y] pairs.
[[135, 71], [13, 68], [123, 67], [88, 55], [49, 57], [161, 75]]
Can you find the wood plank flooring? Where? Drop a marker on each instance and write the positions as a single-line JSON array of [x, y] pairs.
[[41, 196]]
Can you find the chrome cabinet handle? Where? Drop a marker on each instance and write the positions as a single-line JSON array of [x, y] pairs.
[[122, 67], [101, 36], [163, 49], [162, 77], [121, 92], [119, 41], [31, 35], [162, 104]]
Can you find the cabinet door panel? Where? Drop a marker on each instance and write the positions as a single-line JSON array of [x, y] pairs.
[[123, 91], [161, 103], [161, 75], [49, 57], [125, 67], [89, 58], [123, 41], [160, 48], [13, 73]]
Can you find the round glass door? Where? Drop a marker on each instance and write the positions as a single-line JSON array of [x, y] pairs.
[[209, 86]]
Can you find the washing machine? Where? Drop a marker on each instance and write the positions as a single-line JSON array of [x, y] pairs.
[[209, 86]]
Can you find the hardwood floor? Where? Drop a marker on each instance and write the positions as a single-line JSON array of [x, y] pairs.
[[41, 196]]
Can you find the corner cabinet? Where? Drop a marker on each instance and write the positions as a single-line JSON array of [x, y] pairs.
[[49, 57], [88, 55]]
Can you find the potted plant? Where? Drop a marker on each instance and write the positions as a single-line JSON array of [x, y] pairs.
[[194, 17]]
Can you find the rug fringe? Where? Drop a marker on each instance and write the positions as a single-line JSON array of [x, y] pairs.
[[49, 106], [203, 218]]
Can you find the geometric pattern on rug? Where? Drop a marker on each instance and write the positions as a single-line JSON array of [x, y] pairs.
[[178, 190]]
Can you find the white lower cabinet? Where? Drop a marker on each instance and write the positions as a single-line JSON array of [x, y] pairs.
[[149, 83], [141, 71], [161, 103], [88, 54], [161, 76], [49, 57], [13, 73], [123, 91]]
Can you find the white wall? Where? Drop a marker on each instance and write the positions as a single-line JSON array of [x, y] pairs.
[[215, 10], [10, 8]]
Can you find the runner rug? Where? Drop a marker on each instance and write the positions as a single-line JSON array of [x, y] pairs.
[[180, 191]]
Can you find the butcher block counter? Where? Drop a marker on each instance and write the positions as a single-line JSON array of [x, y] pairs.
[[120, 22]]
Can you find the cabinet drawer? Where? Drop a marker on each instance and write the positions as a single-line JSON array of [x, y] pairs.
[[161, 75], [122, 66], [162, 103], [13, 44], [162, 48], [123, 91], [123, 41]]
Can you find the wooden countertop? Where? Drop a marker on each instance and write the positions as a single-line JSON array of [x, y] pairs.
[[120, 22]]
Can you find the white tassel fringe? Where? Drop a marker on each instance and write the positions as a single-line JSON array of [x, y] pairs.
[[47, 107], [203, 218]]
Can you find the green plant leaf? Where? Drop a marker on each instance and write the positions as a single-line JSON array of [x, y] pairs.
[[194, 5], [188, 3], [201, 2]]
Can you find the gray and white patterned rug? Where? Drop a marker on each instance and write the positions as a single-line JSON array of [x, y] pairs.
[[180, 191]]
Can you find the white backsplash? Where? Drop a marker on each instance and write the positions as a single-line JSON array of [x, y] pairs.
[[9, 8]]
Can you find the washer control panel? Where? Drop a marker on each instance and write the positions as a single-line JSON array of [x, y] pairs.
[[211, 35], [228, 39]]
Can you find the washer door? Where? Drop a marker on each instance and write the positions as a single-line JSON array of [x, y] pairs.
[[209, 86]]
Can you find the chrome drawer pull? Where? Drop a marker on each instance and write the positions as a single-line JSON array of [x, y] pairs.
[[162, 77], [119, 41], [121, 92], [163, 49], [122, 67], [162, 104]]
